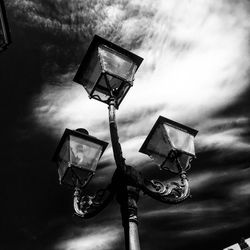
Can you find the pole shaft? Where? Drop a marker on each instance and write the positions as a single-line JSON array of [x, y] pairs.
[[133, 195], [134, 243], [117, 150], [127, 196]]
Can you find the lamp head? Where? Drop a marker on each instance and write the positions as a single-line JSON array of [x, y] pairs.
[[77, 155], [170, 145], [107, 71]]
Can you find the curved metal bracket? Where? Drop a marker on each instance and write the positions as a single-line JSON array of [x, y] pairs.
[[173, 192], [87, 206]]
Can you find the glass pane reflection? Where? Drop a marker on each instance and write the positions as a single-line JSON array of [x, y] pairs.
[[116, 63], [180, 139], [84, 153], [159, 143], [91, 72]]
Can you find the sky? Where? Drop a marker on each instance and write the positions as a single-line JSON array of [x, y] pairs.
[[195, 71]]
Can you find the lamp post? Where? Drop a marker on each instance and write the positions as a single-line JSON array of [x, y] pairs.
[[107, 73], [5, 39]]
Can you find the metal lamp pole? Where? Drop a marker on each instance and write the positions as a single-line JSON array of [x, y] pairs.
[[128, 192]]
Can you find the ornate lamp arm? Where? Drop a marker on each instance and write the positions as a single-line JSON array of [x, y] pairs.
[[173, 192], [88, 206]]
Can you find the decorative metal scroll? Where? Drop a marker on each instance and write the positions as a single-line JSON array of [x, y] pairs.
[[173, 192], [88, 206]]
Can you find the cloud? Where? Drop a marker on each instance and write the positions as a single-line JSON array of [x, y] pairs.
[[241, 190], [195, 64], [235, 178], [92, 238], [224, 133], [190, 58], [116, 20], [187, 210], [212, 193], [57, 16], [211, 229]]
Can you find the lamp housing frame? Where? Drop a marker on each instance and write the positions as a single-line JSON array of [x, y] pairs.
[[163, 120], [125, 85], [84, 136]]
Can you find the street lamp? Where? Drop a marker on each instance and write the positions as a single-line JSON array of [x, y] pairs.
[[170, 145], [5, 39], [107, 72], [77, 155]]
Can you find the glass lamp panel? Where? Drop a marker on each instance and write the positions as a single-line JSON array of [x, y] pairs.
[[64, 151], [172, 166], [185, 160], [100, 96], [84, 154], [77, 155], [119, 87], [116, 63], [82, 174], [180, 139], [125, 88], [71, 175], [91, 72], [158, 159], [63, 158], [159, 143], [114, 82], [101, 91], [62, 168]]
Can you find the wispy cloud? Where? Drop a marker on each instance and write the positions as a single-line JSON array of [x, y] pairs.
[[241, 190], [196, 62], [212, 228], [69, 17], [224, 133], [188, 210], [213, 193], [92, 238]]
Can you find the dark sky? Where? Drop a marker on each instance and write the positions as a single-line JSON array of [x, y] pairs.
[[195, 70]]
